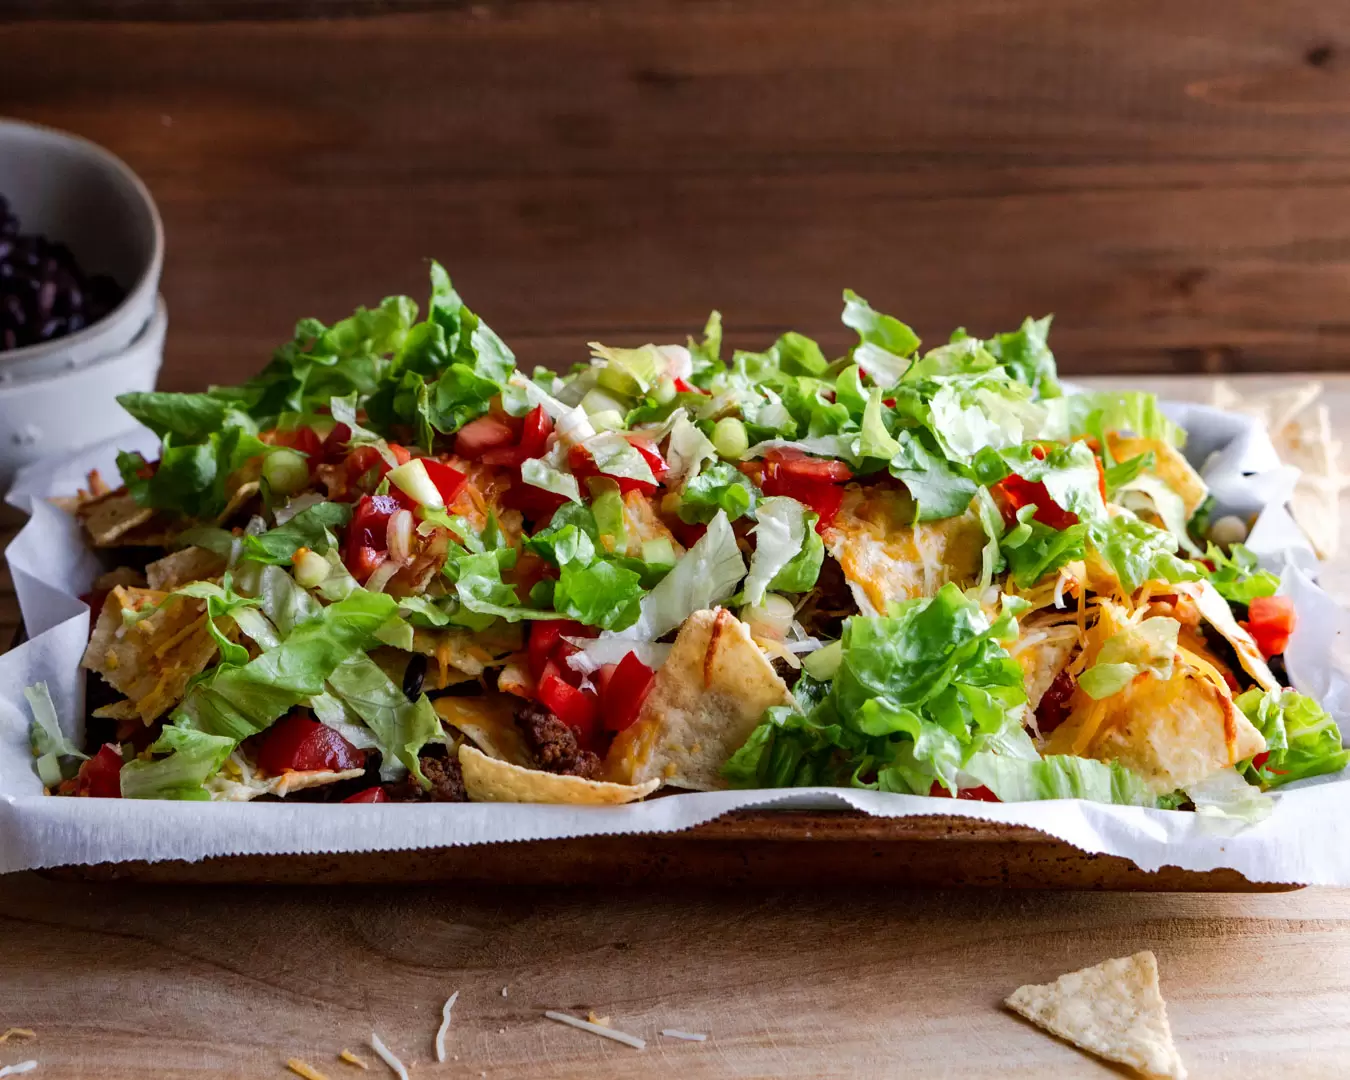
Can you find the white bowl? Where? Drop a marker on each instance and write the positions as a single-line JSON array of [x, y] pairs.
[[48, 417], [71, 190]]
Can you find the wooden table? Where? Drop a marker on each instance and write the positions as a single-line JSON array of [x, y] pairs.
[[132, 981]]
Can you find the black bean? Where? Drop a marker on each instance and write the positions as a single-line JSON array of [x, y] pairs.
[[43, 293], [414, 676]]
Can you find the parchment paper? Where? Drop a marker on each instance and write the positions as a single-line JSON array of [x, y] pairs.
[[1301, 841]]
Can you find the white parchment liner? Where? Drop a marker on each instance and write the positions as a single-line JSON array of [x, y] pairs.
[[1302, 841]]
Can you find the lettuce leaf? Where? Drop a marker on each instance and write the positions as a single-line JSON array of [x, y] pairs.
[[874, 328], [1034, 550], [602, 594], [190, 758], [401, 727], [938, 488], [48, 741], [312, 528], [1137, 551], [1059, 776], [788, 551], [1238, 576], [1147, 646], [1025, 355], [1302, 739], [1126, 411], [720, 488]]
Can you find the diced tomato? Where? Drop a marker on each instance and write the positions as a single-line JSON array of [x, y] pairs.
[[335, 446], [304, 439], [1270, 621], [813, 481], [546, 637], [1101, 477], [1260, 759], [686, 533], [448, 481], [650, 455], [793, 464], [486, 433], [1012, 493], [371, 794], [624, 692], [534, 436], [534, 502], [581, 463], [685, 387], [974, 794], [366, 532], [578, 709], [298, 743], [100, 777], [601, 677], [1053, 708]]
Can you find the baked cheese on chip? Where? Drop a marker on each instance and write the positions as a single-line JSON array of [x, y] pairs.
[[1172, 732], [887, 557]]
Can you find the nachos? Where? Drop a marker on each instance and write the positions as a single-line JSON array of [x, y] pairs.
[[393, 566]]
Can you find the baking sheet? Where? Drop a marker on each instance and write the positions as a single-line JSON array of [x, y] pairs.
[[51, 567]]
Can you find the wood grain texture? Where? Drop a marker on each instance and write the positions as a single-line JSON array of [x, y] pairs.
[[1171, 178]]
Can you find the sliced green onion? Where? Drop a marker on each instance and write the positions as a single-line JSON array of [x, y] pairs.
[[607, 420], [824, 662], [664, 391], [730, 438], [412, 478], [597, 401], [286, 471], [658, 552], [311, 568]]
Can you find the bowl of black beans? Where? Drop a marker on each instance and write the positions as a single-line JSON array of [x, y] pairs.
[[81, 249]]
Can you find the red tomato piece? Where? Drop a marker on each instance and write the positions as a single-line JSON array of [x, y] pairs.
[[581, 463], [545, 638], [448, 481], [535, 503], [624, 692], [1270, 621], [335, 446], [973, 794], [685, 387], [650, 455], [479, 436], [794, 465], [578, 709], [303, 439], [1053, 708], [300, 744], [371, 794], [366, 532], [101, 776], [534, 436], [1013, 492]]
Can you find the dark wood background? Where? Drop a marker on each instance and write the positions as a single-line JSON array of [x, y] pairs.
[[1171, 178]]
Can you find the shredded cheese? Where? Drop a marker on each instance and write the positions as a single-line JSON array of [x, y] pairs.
[[444, 1029], [21, 1067], [596, 1029], [17, 1033], [300, 1068], [387, 1056], [688, 1036], [352, 1059], [1095, 715]]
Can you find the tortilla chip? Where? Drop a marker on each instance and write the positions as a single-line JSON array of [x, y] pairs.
[[118, 710], [152, 661], [119, 575], [886, 558], [489, 722], [708, 696], [1173, 732], [489, 780], [240, 496], [223, 789], [181, 567], [1219, 615], [1169, 466], [110, 517], [1114, 1010]]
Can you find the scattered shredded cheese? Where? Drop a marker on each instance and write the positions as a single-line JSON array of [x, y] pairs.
[[352, 1059], [503, 991], [18, 1033], [444, 1029], [21, 1067], [689, 1036], [603, 1021], [300, 1068], [387, 1056], [596, 1029]]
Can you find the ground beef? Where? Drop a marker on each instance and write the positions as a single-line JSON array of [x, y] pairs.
[[830, 602], [554, 744], [447, 781]]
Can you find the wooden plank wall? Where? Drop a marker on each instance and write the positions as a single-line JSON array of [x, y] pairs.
[[1171, 178]]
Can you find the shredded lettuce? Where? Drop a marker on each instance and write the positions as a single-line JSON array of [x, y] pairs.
[[312, 528], [720, 488], [938, 488], [1238, 576], [182, 760], [1138, 552], [1097, 413], [1148, 646], [1059, 776], [1302, 739], [788, 551], [49, 742], [401, 727]]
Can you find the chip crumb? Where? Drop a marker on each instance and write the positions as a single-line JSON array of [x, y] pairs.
[[301, 1068], [603, 1021], [18, 1033], [503, 991], [501, 1031], [352, 1059]]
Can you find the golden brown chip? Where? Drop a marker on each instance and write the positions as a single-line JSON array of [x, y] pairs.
[[181, 567], [151, 661], [1169, 466], [489, 722], [489, 780], [250, 786], [1114, 1010], [708, 696], [111, 517]]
